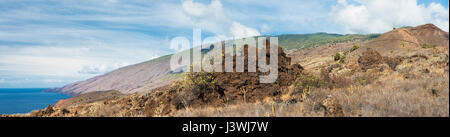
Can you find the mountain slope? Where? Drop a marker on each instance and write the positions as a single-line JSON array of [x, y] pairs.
[[410, 38], [300, 41], [129, 79], [156, 73]]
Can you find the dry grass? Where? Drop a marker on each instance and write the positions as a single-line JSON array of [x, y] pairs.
[[388, 97], [253, 110]]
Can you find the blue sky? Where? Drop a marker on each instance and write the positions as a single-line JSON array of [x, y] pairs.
[[50, 43]]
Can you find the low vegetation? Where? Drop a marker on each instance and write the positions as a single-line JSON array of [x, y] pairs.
[[426, 46], [395, 97], [301, 41], [341, 57]]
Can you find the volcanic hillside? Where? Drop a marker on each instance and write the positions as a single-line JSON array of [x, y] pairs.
[[139, 77], [411, 38]]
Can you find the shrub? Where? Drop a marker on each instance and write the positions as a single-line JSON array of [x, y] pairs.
[[426, 46], [304, 84], [342, 60], [355, 47], [333, 81], [366, 78], [244, 92], [393, 62], [194, 86], [199, 79], [337, 56], [345, 53], [340, 57]]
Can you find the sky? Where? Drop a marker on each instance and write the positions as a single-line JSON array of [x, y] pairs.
[[50, 43]]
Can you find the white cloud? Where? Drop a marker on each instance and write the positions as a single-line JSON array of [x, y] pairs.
[[282, 16], [378, 16], [61, 51], [100, 68], [67, 57], [2, 81], [52, 80], [200, 10], [241, 31], [65, 62], [212, 18]]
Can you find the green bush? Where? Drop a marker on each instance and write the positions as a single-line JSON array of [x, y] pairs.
[[345, 53], [340, 57], [337, 56], [342, 60], [199, 79], [194, 86], [426, 46], [355, 47], [304, 84]]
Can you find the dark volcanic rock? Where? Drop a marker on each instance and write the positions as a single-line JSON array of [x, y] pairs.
[[370, 59], [234, 87]]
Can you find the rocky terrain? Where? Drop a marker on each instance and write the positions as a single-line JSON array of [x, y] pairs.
[[404, 72]]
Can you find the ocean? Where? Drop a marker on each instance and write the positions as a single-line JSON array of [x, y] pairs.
[[13, 101]]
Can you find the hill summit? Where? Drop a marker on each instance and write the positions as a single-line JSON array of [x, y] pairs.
[[411, 37]]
